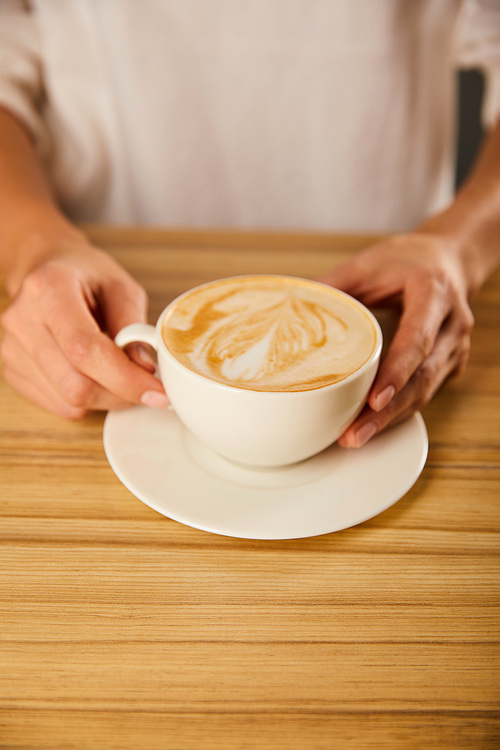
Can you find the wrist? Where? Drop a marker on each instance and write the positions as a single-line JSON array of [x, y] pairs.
[[462, 247], [471, 224]]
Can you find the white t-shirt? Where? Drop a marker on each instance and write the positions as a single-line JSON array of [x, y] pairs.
[[306, 114]]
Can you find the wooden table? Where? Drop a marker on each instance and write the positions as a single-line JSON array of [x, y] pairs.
[[120, 628]]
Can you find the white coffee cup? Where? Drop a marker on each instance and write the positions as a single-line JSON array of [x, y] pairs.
[[247, 422]]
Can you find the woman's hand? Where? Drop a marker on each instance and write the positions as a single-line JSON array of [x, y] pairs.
[[57, 346], [421, 276]]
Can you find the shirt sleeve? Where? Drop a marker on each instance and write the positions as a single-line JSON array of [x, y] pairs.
[[21, 81], [477, 45]]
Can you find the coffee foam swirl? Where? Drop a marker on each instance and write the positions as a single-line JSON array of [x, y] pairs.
[[269, 333]]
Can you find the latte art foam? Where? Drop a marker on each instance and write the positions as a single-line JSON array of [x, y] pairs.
[[269, 333]]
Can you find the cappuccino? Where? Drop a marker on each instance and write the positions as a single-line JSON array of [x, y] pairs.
[[269, 333]]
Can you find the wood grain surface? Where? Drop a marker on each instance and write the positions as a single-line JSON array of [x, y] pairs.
[[120, 628]]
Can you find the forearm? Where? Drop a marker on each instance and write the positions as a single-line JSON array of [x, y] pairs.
[[472, 222], [30, 219]]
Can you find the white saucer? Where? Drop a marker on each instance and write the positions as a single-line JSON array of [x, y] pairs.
[[167, 468]]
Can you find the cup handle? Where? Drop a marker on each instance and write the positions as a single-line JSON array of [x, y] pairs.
[[137, 333]]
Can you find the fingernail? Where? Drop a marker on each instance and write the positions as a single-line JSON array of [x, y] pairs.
[[364, 433], [155, 399], [385, 397], [144, 355], [343, 442]]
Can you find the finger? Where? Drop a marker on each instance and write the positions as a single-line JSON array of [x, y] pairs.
[[64, 392], [446, 358], [49, 400], [142, 355], [368, 426], [123, 302], [94, 354], [38, 395], [425, 308]]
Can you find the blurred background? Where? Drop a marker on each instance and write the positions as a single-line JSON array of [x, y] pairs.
[[471, 86]]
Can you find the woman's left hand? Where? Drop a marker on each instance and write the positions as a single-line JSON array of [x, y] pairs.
[[422, 277]]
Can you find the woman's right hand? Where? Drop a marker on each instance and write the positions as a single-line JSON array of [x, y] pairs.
[[58, 331]]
